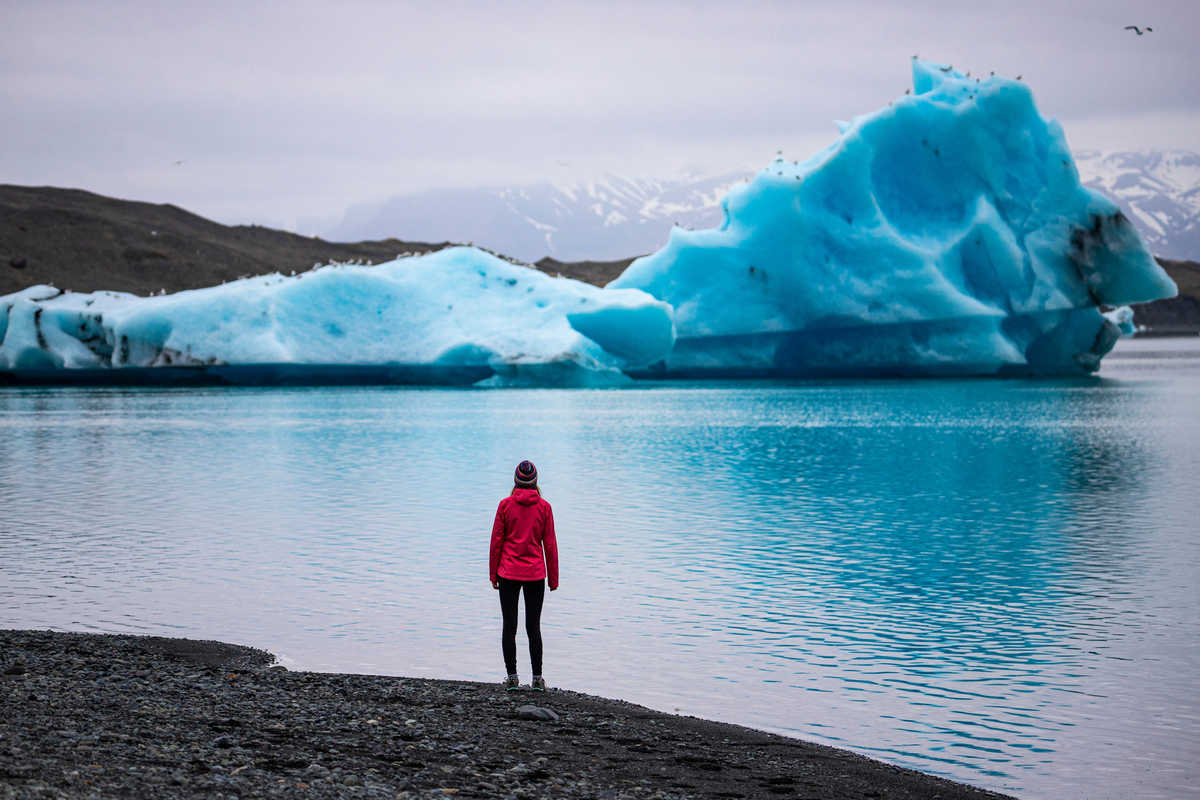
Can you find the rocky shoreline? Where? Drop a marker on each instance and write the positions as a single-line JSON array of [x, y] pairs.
[[91, 715]]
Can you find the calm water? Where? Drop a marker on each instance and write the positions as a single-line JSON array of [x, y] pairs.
[[991, 580]]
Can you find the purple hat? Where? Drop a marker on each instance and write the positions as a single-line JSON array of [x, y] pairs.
[[526, 474]]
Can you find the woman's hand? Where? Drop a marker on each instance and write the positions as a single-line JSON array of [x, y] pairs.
[[495, 584]]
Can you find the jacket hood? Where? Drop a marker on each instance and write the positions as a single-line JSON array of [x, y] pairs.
[[526, 497]]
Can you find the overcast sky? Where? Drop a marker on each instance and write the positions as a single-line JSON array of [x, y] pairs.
[[285, 111]]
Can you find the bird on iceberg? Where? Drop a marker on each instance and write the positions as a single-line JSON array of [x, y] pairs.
[[1138, 30]]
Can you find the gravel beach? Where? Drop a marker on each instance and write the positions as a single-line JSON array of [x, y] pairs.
[[87, 715]]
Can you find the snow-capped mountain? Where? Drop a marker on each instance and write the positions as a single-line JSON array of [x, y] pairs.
[[1158, 190], [619, 217], [600, 220]]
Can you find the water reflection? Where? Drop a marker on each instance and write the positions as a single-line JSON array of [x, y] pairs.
[[990, 579]]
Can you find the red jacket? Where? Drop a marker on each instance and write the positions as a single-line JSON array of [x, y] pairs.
[[523, 529]]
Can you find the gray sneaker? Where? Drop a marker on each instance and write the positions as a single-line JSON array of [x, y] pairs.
[[512, 683], [539, 684]]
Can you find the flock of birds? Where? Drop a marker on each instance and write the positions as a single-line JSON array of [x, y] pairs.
[[1136, 29]]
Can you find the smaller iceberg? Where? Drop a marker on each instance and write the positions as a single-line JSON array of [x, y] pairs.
[[459, 315], [946, 234]]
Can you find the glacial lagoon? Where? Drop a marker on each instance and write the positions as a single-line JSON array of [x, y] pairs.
[[989, 579]]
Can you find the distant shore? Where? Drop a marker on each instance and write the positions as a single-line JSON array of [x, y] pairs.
[[106, 715]]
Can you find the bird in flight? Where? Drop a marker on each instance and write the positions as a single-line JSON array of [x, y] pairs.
[[177, 163], [1138, 30]]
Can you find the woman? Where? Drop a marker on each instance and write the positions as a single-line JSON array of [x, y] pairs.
[[524, 553]]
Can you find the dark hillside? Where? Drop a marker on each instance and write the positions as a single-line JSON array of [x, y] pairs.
[[81, 241], [597, 273], [1179, 314]]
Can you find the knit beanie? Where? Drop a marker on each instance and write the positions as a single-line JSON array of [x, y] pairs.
[[526, 475]]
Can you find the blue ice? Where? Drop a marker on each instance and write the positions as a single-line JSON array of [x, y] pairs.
[[456, 312], [947, 233]]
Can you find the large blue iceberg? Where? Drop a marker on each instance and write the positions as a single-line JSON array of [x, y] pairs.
[[946, 234]]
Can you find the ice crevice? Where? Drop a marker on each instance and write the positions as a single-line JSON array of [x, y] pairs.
[[944, 234]]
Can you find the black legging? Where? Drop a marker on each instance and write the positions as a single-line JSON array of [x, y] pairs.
[[535, 592]]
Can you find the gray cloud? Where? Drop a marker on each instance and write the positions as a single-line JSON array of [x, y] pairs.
[[299, 109]]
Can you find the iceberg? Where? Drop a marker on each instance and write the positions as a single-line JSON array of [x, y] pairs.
[[459, 315], [945, 234]]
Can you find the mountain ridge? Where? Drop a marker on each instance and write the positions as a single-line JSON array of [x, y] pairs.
[[1159, 191], [602, 219], [608, 218]]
